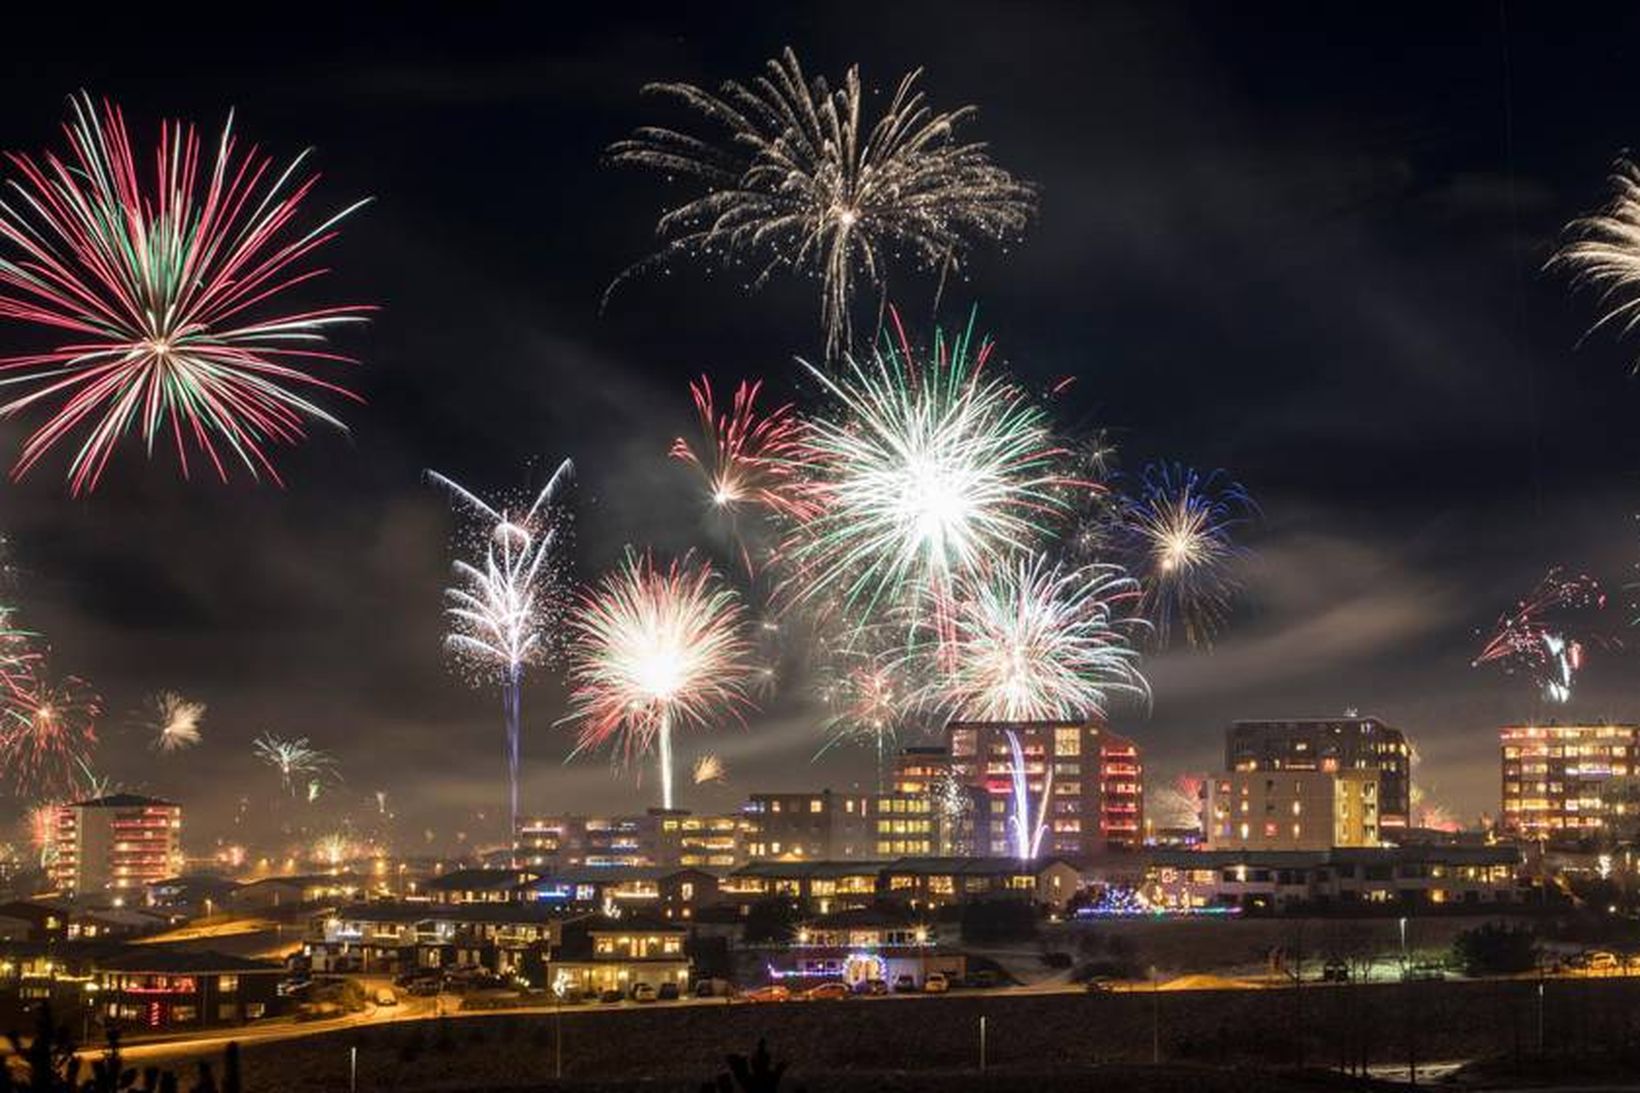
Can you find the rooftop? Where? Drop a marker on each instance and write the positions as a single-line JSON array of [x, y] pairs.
[[125, 800]]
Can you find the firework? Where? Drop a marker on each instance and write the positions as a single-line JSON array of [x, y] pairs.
[[799, 179], [503, 609], [1027, 831], [174, 720], [866, 704], [656, 649], [53, 729], [293, 759], [42, 832], [918, 475], [1178, 529], [709, 769], [19, 661], [1032, 642], [165, 298], [1604, 252], [747, 458], [1545, 635]]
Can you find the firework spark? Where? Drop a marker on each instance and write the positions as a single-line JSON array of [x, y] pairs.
[[747, 458], [161, 295], [54, 728], [656, 649], [504, 609], [293, 759], [803, 181], [1178, 527], [710, 769], [1604, 252], [918, 475], [1033, 641], [867, 703], [1545, 635], [174, 720]]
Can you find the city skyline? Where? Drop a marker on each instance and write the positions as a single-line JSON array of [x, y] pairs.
[[1369, 349]]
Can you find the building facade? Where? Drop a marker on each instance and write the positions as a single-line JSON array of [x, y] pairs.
[[1392, 879], [1091, 777], [1292, 810], [114, 847], [1329, 744], [667, 838], [1568, 782]]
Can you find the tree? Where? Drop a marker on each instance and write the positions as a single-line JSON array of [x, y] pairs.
[[1496, 949], [771, 920]]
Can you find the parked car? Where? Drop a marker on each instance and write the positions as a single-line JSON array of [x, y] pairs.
[[936, 983], [425, 987], [831, 991], [872, 986], [1601, 961], [983, 979], [294, 986], [611, 996], [667, 992], [904, 984], [1100, 984], [1424, 970], [711, 988], [1335, 971], [385, 997], [644, 992], [774, 992]]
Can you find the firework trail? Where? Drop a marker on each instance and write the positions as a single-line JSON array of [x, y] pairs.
[[504, 608], [710, 769], [1177, 529], [293, 759], [799, 179], [1604, 252], [44, 745], [161, 295], [1176, 804], [1545, 635], [174, 720], [19, 663], [919, 474], [1038, 642], [1027, 832], [656, 649]]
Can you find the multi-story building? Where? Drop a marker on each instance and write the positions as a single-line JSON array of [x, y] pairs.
[[823, 826], [1407, 877], [114, 847], [663, 838], [1568, 782], [1329, 744], [1292, 809], [1092, 777]]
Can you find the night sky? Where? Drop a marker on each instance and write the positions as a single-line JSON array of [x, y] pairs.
[[1300, 242]]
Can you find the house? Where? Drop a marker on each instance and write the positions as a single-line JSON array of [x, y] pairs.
[[599, 953], [301, 890], [479, 885], [193, 893], [667, 892], [820, 886], [162, 987], [389, 936], [865, 943], [32, 920], [937, 882], [1421, 877]]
